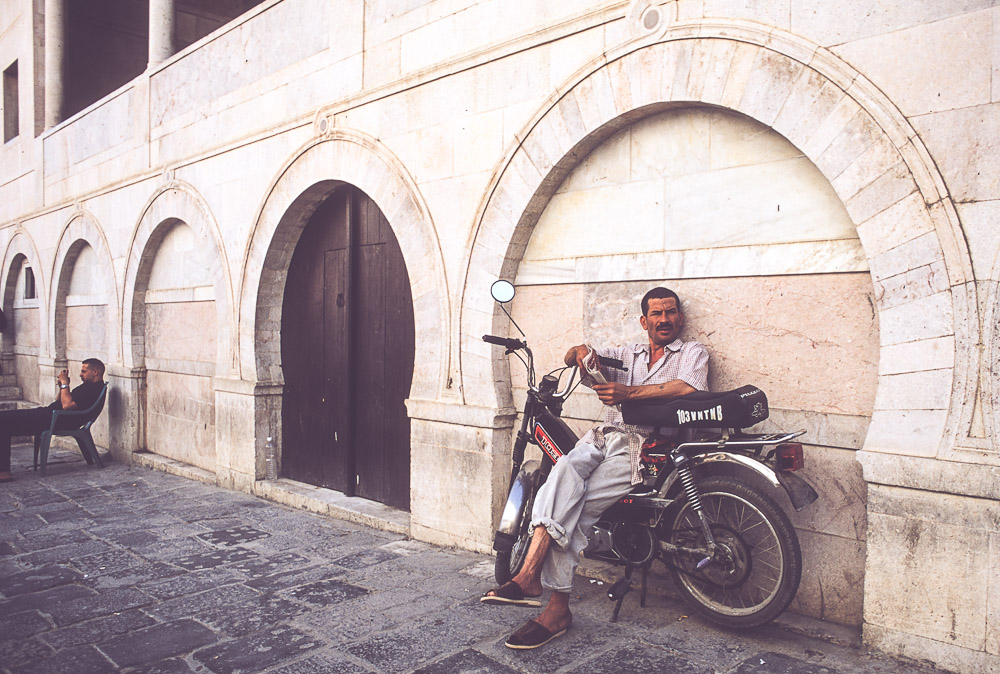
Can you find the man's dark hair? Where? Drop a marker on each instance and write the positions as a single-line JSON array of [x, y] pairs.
[[95, 364], [659, 293]]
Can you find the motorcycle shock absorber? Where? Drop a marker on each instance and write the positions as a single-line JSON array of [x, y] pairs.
[[694, 498]]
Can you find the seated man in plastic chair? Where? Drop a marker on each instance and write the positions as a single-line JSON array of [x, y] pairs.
[[36, 420]]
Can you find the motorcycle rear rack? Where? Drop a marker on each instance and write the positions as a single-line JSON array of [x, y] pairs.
[[742, 441]]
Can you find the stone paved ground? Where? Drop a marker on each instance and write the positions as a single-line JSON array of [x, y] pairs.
[[133, 570]]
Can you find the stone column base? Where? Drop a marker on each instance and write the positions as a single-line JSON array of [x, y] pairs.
[[126, 411], [246, 413], [459, 467], [932, 590]]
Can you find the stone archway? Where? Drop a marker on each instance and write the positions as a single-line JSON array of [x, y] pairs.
[[989, 370], [871, 156], [907, 224], [313, 174], [21, 245], [97, 331], [170, 207], [82, 230], [174, 203], [21, 249]]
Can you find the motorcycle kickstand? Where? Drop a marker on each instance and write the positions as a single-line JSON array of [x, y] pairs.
[[642, 593], [619, 590]]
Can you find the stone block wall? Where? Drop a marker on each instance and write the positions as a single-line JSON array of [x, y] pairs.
[[953, 541], [874, 122], [24, 334], [179, 335], [26, 353]]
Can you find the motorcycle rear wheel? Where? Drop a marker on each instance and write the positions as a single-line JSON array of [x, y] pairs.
[[509, 562], [756, 572]]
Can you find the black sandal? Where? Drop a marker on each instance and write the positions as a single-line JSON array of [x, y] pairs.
[[509, 594], [532, 635]]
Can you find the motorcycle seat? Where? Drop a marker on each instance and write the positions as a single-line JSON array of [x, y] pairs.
[[739, 408]]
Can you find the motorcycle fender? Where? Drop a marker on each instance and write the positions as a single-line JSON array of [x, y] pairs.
[[510, 519], [800, 493]]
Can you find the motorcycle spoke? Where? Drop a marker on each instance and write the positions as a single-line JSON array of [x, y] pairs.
[[741, 514], [749, 571], [773, 566]]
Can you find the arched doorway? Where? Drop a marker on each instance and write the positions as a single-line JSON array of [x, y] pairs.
[[347, 349]]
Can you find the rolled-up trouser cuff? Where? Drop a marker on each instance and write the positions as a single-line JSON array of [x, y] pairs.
[[552, 588]]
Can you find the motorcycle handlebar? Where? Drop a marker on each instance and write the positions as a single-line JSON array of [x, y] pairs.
[[612, 363], [507, 342], [511, 343]]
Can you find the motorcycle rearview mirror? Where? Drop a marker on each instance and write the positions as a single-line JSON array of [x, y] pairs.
[[502, 291]]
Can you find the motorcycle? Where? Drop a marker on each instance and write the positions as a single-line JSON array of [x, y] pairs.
[[705, 508]]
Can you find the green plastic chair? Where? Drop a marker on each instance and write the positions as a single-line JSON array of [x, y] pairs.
[[82, 434]]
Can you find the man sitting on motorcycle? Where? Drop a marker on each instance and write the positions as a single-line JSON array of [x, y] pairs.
[[603, 466]]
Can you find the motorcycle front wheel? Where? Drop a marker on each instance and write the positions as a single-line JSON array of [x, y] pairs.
[[755, 572], [509, 562]]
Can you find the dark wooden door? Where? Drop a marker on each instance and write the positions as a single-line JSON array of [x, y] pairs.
[[347, 346]]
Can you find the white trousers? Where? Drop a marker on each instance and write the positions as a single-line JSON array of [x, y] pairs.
[[582, 485]]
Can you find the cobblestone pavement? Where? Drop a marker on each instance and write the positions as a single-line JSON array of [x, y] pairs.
[[134, 570]]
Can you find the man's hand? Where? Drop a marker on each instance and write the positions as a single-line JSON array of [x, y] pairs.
[[65, 397], [576, 356], [612, 393]]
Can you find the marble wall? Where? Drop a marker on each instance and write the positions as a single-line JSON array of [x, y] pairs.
[[86, 306], [691, 193], [953, 539], [26, 369], [755, 332], [180, 347], [814, 175], [773, 279], [23, 336]]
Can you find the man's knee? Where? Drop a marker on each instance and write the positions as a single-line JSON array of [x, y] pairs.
[[584, 459]]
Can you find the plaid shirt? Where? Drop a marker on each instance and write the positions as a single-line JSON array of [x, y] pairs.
[[687, 361]]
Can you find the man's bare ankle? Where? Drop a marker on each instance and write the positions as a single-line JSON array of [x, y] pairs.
[[555, 621], [532, 585]]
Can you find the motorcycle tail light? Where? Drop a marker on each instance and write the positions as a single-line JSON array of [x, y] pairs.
[[789, 456]]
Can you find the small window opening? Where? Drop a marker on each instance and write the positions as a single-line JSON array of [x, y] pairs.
[[10, 107], [29, 284]]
